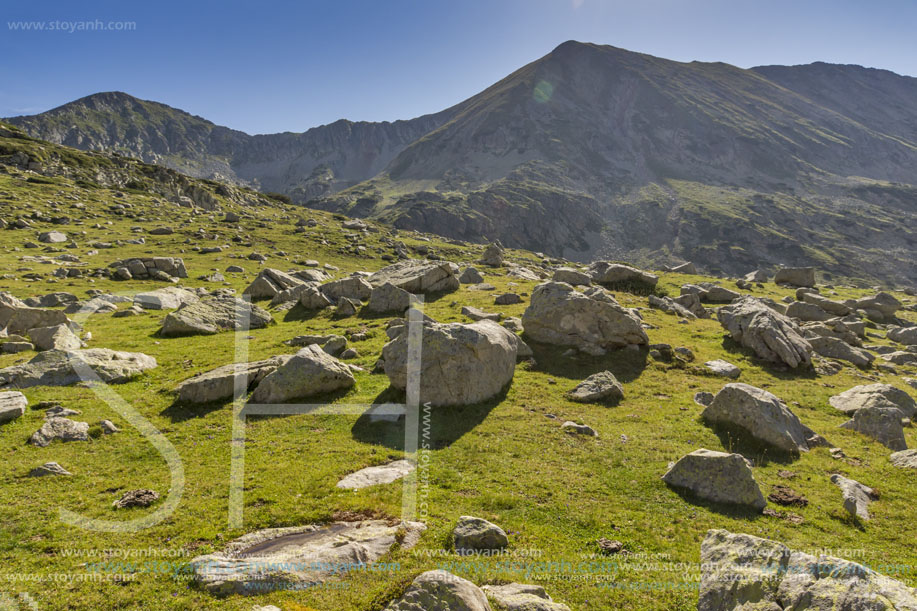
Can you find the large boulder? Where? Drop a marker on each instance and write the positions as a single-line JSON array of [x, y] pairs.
[[761, 414], [12, 405], [834, 348], [745, 573], [309, 372], [58, 337], [441, 591], [882, 424], [419, 277], [209, 316], [615, 274], [880, 307], [571, 276], [460, 364], [874, 395], [299, 556], [388, 298], [718, 477], [591, 321], [807, 312], [269, 282], [312, 298], [166, 298], [772, 336], [63, 368], [903, 335], [795, 276], [219, 384], [834, 307], [19, 320], [493, 255]]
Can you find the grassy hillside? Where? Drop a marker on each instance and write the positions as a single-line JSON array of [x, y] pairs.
[[506, 460]]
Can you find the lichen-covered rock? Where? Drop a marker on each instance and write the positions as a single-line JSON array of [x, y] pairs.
[[213, 315], [63, 368], [19, 320], [591, 321], [58, 337], [759, 413], [460, 364], [906, 459], [718, 477], [772, 336], [746, 573]]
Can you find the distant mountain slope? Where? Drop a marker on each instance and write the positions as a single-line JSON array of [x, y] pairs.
[[594, 151], [302, 165]]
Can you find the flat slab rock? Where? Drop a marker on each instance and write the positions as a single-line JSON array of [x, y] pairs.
[[209, 316], [64, 368], [745, 572], [373, 476], [724, 369], [299, 555]]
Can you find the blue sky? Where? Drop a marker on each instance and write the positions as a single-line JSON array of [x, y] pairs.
[[266, 67]]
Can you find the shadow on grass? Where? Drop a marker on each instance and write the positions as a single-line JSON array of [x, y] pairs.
[[444, 426], [779, 371], [739, 512], [626, 364], [299, 313], [737, 440]]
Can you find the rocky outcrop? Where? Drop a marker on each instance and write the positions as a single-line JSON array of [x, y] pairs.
[[156, 268], [378, 475], [591, 321], [772, 336], [270, 282], [460, 364]]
